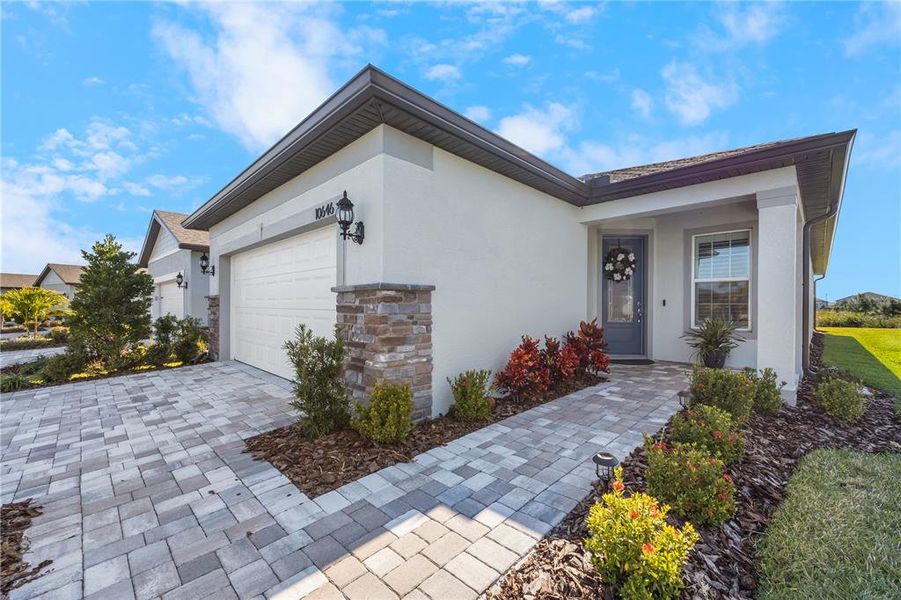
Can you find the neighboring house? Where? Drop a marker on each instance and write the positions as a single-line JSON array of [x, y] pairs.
[[822, 304], [15, 281], [471, 241], [170, 250], [60, 278]]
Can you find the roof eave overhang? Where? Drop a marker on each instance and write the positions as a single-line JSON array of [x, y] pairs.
[[372, 87]]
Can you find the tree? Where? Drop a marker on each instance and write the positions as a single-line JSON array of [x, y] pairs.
[[32, 306], [5, 311], [111, 310]]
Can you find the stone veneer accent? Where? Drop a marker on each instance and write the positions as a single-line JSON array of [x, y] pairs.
[[387, 331], [213, 326]]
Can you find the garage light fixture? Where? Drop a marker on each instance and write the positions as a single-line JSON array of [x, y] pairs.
[[346, 219], [180, 281], [205, 267]]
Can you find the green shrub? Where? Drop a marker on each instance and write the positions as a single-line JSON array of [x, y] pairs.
[[845, 318], [388, 418], [711, 429], [190, 340], [318, 382], [59, 334], [13, 382], [59, 368], [161, 349], [633, 547], [471, 401], [111, 312], [767, 394], [841, 399], [692, 481], [732, 391]]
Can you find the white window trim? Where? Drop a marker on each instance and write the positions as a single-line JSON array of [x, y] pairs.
[[749, 278]]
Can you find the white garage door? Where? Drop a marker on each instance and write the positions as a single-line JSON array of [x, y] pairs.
[[171, 299], [276, 287]]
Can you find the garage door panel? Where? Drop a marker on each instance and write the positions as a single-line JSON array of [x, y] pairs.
[[275, 288]]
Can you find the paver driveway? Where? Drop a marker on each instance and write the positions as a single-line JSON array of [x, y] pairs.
[[15, 357], [147, 492]]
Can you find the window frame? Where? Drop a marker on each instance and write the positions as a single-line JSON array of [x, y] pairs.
[[750, 278]]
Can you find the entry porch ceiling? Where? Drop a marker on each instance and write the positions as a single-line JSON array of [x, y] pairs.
[[373, 98]]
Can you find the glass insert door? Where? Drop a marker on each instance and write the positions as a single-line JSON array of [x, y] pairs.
[[622, 300]]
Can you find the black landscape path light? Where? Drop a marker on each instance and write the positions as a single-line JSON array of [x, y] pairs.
[[205, 267], [604, 463], [346, 219]]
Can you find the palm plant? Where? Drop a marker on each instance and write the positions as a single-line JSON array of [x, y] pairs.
[[712, 341]]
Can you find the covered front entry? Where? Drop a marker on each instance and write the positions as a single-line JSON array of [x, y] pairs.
[[276, 287], [623, 302], [170, 300]]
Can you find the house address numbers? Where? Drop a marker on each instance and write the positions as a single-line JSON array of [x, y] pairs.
[[326, 210]]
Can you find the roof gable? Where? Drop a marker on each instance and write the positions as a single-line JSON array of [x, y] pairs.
[[69, 274], [191, 239]]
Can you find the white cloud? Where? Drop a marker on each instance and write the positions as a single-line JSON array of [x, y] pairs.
[[480, 114], [879, 151], [135, 189], [539, 131], [518, 60], [642, 102], [172, 183], [573, 42], [41, 195], [592, 156], [581, 15], [92, 81], [443, 72], [875, 24], [693, 98], [265, 67], [741, 25]]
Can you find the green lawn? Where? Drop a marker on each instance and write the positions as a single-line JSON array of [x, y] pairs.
[[836, 534], [873, 355]]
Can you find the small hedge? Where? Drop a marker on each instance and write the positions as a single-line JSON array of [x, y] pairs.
[[841, 399], [692, 481], [632, 546], [388, 418], [846, 318], [27, 343], [709, 428], [471, 395], [732, 391]]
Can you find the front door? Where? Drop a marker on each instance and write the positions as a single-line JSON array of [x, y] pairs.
[[622, 301]]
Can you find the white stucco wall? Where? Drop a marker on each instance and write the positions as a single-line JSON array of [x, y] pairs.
[[165, 265], [506, 259]]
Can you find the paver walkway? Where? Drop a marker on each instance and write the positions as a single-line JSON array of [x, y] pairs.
[[147, 492], [15, 357]]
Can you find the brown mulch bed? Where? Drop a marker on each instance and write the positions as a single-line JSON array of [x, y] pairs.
[[15, 519], [722, 564], [322, 465]]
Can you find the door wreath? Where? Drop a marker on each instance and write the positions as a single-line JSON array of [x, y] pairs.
[[620, 264]]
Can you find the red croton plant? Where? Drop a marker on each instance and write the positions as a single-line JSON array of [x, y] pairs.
[[533, 370]]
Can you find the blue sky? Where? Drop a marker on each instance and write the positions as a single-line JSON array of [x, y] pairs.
[[112, 109]]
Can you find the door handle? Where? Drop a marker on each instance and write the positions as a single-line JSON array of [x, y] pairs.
[[638, 310]]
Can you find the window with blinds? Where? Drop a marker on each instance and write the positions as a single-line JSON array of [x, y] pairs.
[[721, 277]]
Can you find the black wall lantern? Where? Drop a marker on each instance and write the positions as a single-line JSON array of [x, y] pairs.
[[346, 219], [604, 463], [180, 280], [205, 267]]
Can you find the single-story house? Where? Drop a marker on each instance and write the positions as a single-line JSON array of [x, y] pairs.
[[60, 278], [871, 296], [471, 241], [822, 304], [15, 281], [171, 254]]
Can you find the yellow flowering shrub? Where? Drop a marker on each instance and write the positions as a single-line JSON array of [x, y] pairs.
[[632, 546]]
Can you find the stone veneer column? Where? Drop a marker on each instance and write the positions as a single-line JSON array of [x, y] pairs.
[[387, 331], [213, 326]]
